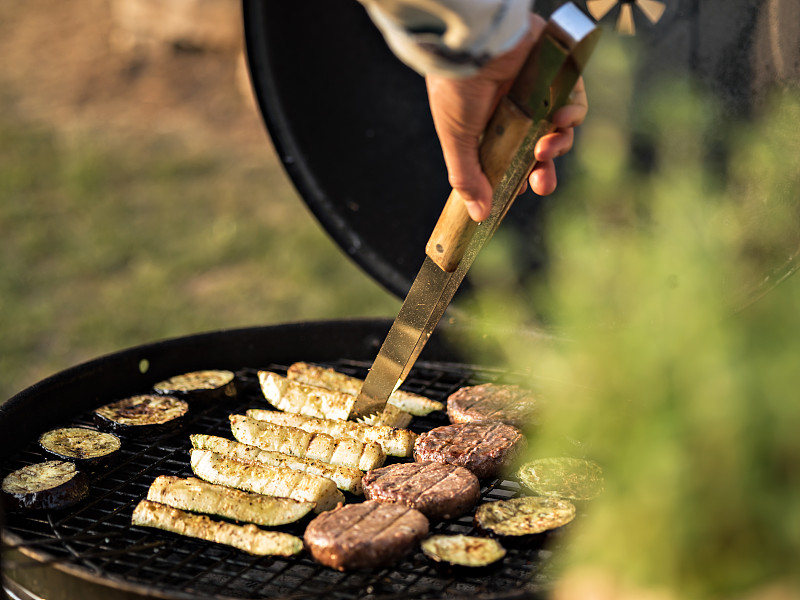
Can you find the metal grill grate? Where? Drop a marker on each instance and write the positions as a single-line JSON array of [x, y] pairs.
[[97, 538]]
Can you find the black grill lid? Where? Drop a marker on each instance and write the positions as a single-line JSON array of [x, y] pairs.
[[352, 125]]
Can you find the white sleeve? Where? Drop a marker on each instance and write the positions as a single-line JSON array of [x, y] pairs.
[[449, 37]]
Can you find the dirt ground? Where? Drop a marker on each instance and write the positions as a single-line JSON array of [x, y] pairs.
[[81, 66]]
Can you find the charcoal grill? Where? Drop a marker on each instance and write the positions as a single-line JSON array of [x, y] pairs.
[[92, 551], [327, 86]]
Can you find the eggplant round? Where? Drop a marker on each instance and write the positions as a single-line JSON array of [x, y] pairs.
[[145, 415], [199, 386], [463, 550], [87, 448], [49, 485]]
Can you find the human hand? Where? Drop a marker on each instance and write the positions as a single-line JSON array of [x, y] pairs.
[[461, 107]]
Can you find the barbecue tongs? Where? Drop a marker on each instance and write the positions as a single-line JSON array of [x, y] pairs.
[[521, 118]]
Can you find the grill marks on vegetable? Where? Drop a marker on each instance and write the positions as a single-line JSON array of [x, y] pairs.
[[272, 475], [142, 415], [50, 485]]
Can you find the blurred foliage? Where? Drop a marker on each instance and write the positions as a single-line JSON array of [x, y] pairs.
[[113, 242], [674, 359]]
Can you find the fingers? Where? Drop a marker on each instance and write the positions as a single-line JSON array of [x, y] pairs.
[[543, 178], [574, 112]]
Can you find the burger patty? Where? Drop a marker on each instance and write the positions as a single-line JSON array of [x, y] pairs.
[[365, 535], [484, 448], [508, 404], [437, 490]]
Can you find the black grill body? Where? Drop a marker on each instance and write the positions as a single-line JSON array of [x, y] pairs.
[[92, 550]]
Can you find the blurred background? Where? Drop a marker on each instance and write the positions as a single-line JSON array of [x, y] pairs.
[[140, 197]]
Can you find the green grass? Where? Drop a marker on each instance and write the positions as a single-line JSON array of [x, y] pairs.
[[687, 398], [108, 243]]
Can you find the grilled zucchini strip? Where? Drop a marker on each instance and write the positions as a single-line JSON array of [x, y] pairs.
[[315, 401], [345, 478], [248, 537], [345, 452], [394, 441], [252, 476], [292, 396], [199, 496], [333, 380]]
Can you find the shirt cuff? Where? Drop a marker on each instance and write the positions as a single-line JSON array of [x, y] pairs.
[[454, 38]]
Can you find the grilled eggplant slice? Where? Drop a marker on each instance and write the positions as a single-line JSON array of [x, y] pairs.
[[413, 404], [252, 476], [248, 537], [345, 452], [198, 496], [200, 386], [564, 477], [524, 516], [463, 550], [346, 478], [393, 440], [87, 448], [49, 485], [315, 401], [143, 415]]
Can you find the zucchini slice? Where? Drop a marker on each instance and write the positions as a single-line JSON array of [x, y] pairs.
[[463, 550], [87, 448], [524, 516], [143, 415], [199, 386], [48, 485], [564, 477]]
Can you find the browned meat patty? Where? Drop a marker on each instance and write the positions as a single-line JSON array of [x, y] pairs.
[[509, 404], [483, 448], [365, 535], [439, 491]]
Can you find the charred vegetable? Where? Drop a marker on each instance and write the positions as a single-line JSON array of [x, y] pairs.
[[86, 447], [199, 496], [524, 516], [248, 538], [570, 478], [147, 414], [199, 386], [45, 486], [463, 550]]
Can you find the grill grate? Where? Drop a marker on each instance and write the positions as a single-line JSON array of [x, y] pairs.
[[96, 536]]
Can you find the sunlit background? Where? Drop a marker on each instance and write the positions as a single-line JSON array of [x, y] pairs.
[[141, 198]]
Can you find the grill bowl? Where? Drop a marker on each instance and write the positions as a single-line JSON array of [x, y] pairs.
[[91, 550]]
